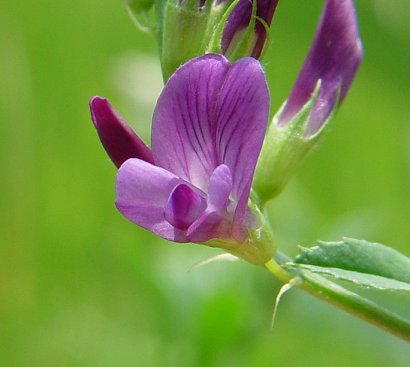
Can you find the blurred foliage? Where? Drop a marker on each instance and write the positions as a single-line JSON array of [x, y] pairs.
[[80, 286]]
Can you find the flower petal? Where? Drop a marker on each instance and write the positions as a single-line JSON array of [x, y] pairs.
[[184, 207], [118, 139], [142, 192], [214, 222], [220, 187], [333, 58], [183, 122], [210, 225], [242, 114]]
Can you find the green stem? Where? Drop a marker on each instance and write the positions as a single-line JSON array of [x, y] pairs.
[[344, 299]]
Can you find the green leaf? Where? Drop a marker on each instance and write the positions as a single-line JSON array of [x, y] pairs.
[[358, 279], [358, 256]]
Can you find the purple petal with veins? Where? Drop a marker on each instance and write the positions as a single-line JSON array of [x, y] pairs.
[[184, 120], [242, 113], [118, 139], [212, 113], [333, 58]]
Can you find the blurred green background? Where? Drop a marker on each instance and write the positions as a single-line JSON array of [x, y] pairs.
[[81, 286]]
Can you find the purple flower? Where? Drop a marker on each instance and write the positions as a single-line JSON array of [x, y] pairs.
[[333, 58], [240, 18], [208, 128]]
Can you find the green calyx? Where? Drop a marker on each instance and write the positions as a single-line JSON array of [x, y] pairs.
[[258, 247], [140, 12], [186, 29], [184, 35], [283, 149]]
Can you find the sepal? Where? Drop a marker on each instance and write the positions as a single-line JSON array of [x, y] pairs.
[[258, 247], [187, 31], [139, 11], [284, 148]]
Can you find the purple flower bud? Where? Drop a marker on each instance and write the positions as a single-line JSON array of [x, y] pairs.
[[333, 60], [118, 139], [240, 18]]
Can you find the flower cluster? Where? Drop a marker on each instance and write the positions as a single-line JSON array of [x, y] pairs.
[[196, 183], [189, 28]]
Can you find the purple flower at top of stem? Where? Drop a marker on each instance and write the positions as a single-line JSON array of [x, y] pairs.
[[207, 132], [240, 19], [333, 59]]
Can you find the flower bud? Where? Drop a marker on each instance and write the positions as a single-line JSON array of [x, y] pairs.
[[245, 31], [333, 58], [117, 138], [321, 86]]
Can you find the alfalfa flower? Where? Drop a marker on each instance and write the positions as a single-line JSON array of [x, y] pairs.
[[322, 84], [194, 184]]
